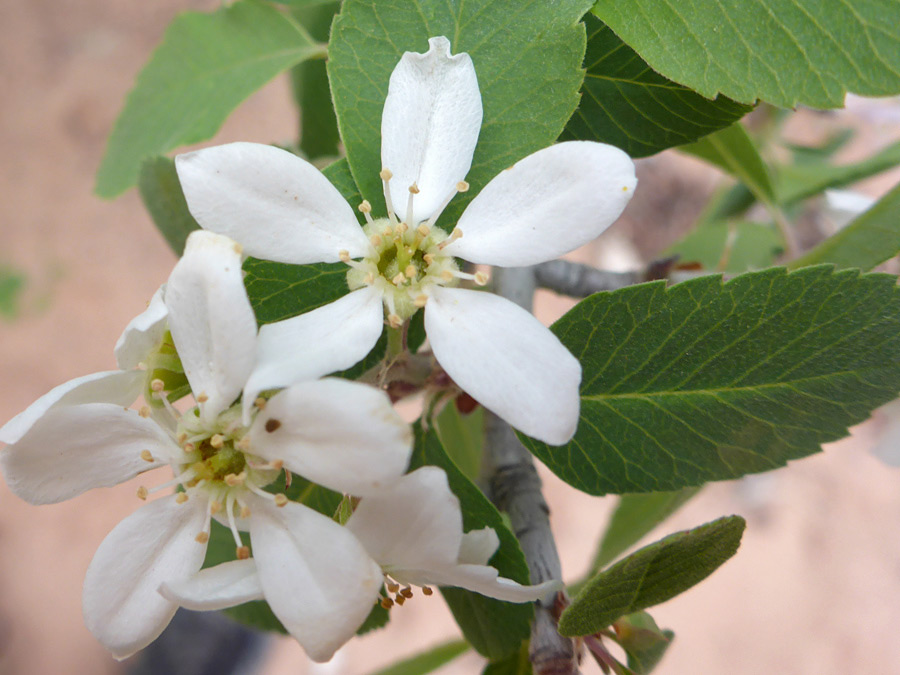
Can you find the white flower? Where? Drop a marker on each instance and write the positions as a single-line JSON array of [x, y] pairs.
[[337, 433], [281, 208], [412, 530]]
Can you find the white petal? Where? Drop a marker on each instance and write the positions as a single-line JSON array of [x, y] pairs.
[[121, 604], [340, 434], [316, 576], [478, 546], [211, 320], [226, 585], [506, 360], [114, 386], [278, 206], [73, 449], [416, 523], [325, 340], [143, 333], [482, 579], [545, 205], [430, 125]]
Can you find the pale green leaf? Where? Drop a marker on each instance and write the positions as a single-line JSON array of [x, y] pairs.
[[868, 241], [625, 103], [707, 381], [462, 436], [527, 56], [164, 200], [731, 247], [785, 52], [427, 662], [652, 575], [206, 65], [643, 641]]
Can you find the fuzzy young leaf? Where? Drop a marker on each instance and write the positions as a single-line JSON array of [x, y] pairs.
[[785, 52], [164, 200], [206, 65], [527, 57], [493, 628], [706, 381], [643, 641], [652, 575], [427, 662], [625, 103], [869, 240]]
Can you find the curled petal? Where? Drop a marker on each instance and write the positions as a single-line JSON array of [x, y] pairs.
[[478, 546], [545, 205], [225, 585], [154, 545], [481, 579], [340, 434], [118, 387], [429, 127], [72, 449], [143, 333], [278, 206], [211, 320], [325, 340], [415, 523], [316, 576], [506, 360]]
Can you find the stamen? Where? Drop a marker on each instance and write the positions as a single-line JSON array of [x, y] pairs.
[[399, 599], [202, 537], [392, 587], [376, 240], [168, 405], [428, 258], [447, 275], [420, 300], [398, 279], [181, 438], [394, 321], [386, 176], [281, 500], [257, 491], [244, 444], [462, 186], [235, 479], [260, 402], [456, 234], [423, 230], [426, 590], [179, 479], [181, 497], [217, 441], [344, 255], [481, 278], [288, 478], [366, 209], [142, 493], [413, 190], [202, 398], [144, 411], [157, 385], [214, 507], [242, 552], [189, 447], [410, 272], [231, 524], [238, 248], [406, 592], [147, 456], [387, 603]]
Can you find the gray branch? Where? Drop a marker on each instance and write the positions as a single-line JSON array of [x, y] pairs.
[[516, 488], [579, 281]]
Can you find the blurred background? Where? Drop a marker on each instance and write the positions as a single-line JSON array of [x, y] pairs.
[[815, 587]]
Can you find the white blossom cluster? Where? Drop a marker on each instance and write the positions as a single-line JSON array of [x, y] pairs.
[[261, 409]]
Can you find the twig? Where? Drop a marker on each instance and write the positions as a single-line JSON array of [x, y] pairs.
[[516, 488], [579, 281]]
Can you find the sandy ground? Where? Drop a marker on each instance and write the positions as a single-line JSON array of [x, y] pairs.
[[815, 588]]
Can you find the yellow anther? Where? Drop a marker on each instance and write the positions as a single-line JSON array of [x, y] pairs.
[[157, 385], [447, 275], [423, 230], [181, 498], [202, 398], [144, 411], [181, 438], [399, 599], [387, 603], [217, 441], [398, 279], [365, 207], [242, 552], [215, 507], [426, 590], [406, 592], [260, 402], [244, 444], [202, 538], [386, 174], [624, 188], [420, 301], [281, 500], [402, 228], [238, 248], [395, 321], [234, 479], [369, 278], [462, 186], [481, 278], [428, 258], [189, 447], [344, 255], [147, 456], [376, 240], [192, 483], [410, 271], [414, 189], [392, 587], [245, 512], [142, 492]]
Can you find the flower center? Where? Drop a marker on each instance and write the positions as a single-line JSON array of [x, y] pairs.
[[406, 258]]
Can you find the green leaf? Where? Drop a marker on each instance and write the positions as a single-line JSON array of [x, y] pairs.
[[11, 284], [869, 240], [633, 518], [732, 247], [493, 628], [527, 57], [164, 200], [785, 52], [427, 662], [643, 641], [707, 381], [733, 151], [652, 575], [206, 65], [309, 82], [517, 663], [798, 181], [625, 103], [462, 436]]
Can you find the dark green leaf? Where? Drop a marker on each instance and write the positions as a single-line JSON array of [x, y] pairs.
[[206, 65], [633, 518], [706, 381], [781, 51], [732, 247], [625, 103], [643, 641], [527, 56], [493, 628], [517, 663], [733, 151], [869, 240], [427, 662], [652, 575], [162, 196]]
